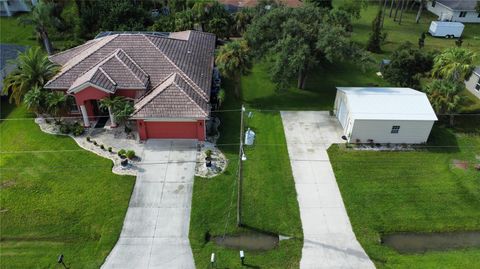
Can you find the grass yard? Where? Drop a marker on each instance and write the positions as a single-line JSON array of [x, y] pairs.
[[410, 31], [420, 191], [13, 33], [269, 197], [57, 199]]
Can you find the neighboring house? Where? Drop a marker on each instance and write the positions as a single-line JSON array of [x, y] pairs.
[[235, 5], [168, 77], [473, 83], [455, 10], [10, 7], [8, 53], [384, 115]]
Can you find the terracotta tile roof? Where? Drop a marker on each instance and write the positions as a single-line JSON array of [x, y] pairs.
[[141, 61], [174, 98]]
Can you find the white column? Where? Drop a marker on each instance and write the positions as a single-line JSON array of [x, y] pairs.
[[112, 118], [86, 121]]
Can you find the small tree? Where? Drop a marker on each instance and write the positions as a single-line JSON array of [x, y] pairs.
[[112, 104], [57, 104], [221, 97], [376, 37], [421, 40], [35, 100], [123, 111], [445, 96]]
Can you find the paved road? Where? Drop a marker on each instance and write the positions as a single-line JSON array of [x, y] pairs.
[[329, 241], [155, 229]]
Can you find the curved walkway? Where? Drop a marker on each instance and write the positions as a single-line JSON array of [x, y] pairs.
[[329, 241], [155, 229]]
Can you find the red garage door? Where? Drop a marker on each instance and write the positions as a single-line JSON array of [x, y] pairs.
[[185, 130]]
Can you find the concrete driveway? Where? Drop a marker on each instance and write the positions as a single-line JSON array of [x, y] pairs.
[[155, 229], [329, 241]]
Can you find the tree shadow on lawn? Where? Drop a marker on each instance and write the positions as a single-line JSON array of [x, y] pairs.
[[442, 140], [5, 108]]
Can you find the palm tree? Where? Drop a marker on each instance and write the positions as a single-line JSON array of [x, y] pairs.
[[445, 96], [35, 100], [242, 20], [455, 64], [233, 61], [112, 104], [123, 111], [57, 104], [41, 17], [33, 69]]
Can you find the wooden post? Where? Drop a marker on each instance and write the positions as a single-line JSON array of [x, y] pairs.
[[240, 172]]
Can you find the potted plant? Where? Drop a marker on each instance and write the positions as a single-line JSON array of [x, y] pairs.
[[208, 158], [88, 138], [124, 162], [95, 143], [110, 149], [130, 154], [121, 153], [102, 147]]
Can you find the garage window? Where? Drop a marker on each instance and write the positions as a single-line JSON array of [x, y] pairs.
[[463, 14], [395, 129], [477, 87]]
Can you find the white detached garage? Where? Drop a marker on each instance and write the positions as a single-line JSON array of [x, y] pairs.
[[384, 115]]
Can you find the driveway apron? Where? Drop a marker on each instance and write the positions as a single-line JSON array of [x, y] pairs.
[[155, 229], [329, 241]]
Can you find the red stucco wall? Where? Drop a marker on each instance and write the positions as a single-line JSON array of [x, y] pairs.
[[89, 93], [171, 129], [127, 93]]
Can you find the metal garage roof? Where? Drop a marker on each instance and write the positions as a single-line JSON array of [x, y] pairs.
[[373, 103]]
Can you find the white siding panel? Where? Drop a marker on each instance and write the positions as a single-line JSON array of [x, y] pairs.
[[411, 132], [472, 83]]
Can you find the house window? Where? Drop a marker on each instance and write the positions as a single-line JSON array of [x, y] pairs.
[[434, 3], [72, 104], [462, 14], [395, 129]]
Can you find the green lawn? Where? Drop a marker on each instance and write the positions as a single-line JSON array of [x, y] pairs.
[[62, 200], [13, 33], [420, 191]]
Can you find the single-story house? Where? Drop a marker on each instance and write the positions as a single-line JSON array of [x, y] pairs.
[[384, 115], [455, 10], [473, 83], [8, 53], [10, 7], [167, 76]]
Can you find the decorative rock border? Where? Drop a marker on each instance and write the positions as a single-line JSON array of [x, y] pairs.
[[219, 161], [131, 169]]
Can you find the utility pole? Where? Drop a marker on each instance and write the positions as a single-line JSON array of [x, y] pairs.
[[240, 171]]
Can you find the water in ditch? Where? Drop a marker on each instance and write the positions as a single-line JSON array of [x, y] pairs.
[[423, 242]]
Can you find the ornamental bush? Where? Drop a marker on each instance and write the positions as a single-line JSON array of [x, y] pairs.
[[130, 154]]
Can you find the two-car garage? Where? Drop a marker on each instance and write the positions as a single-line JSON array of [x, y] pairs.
[[187, 129]]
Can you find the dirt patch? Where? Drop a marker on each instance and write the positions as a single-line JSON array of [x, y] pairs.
[[7, 184], [460, 164]]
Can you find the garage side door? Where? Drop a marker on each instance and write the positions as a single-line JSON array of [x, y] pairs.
[[171, 130], [342, 113]]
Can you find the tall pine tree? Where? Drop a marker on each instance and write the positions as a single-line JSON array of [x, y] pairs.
[[376, 37]]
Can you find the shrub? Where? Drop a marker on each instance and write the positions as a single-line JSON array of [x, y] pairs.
[[130, 154], [88, 138], [121, 153], [78, 130], [95, 143], [110, 149], [102, 147], [65, 128], [208, 153]]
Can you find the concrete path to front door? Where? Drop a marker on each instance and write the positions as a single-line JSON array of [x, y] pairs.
[[329, 241], [155, 229]]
